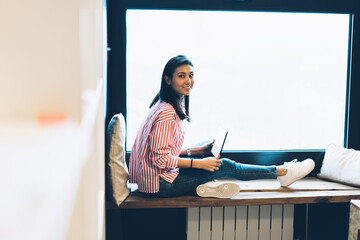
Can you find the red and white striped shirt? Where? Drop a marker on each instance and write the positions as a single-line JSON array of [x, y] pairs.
[[156, 150]]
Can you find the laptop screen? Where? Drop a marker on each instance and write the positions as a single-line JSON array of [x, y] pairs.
[[219, 142]]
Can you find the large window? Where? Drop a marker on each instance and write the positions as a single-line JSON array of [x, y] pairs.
[[276, 81]]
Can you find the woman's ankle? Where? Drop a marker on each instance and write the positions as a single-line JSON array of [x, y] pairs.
[[281, 170]]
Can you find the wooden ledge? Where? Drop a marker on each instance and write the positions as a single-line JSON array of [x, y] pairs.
[[256, 192]]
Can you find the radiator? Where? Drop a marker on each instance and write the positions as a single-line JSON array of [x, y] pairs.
[[262, 222]]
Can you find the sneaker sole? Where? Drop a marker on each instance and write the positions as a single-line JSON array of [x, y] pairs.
[[222, 190]]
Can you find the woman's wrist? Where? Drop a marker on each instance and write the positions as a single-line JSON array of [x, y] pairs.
[[194, 151], [194, 163], [188, 152]]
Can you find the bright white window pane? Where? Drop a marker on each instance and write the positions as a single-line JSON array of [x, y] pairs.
[[274, 80]]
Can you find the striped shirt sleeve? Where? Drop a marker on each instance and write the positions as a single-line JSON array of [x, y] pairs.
[[161, 145]]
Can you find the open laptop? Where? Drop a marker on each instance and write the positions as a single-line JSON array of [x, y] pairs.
[[219, 142]]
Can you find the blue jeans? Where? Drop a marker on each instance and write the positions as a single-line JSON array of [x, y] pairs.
[[189, 178]]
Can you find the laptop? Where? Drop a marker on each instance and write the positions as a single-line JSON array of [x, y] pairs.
[[219, 142]]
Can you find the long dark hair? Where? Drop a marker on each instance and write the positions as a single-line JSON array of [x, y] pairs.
[[167, 93]]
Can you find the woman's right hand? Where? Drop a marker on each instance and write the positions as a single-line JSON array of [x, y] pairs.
[[209, 164]]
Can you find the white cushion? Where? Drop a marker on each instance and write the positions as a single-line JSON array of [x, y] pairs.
[[341, 165], [117, 171]]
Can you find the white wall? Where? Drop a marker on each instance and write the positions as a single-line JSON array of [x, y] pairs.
[[40, 58], [52, 63]]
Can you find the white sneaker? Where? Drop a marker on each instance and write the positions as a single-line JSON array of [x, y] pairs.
[[218, 189], [295, 171]]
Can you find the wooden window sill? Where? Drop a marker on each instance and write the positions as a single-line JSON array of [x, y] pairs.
[[256, 192]]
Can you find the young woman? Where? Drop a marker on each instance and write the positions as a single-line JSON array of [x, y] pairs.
[[161, 167]]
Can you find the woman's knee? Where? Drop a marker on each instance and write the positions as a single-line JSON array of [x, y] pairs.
[[230, 167], [227, 162]]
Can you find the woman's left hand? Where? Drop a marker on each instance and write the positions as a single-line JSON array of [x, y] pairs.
[[205, 149]]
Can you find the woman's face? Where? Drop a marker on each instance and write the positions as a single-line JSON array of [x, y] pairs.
[[182, 80]]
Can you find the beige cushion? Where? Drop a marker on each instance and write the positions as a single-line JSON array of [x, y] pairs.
[[341, 165], [117, 171]]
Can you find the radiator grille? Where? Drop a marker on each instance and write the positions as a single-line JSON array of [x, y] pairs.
[[262, 222]]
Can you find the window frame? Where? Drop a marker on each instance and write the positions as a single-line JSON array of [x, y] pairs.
[[116, 77]]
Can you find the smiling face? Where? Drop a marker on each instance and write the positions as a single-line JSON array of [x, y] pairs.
[[182, 80]]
